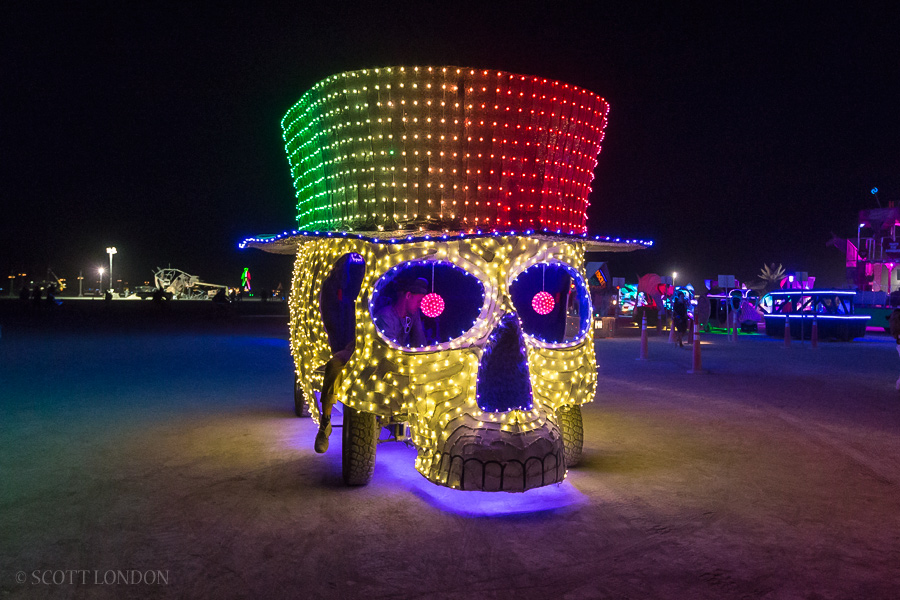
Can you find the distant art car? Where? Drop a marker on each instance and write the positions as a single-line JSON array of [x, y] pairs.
[[476, 182], [797, 311]]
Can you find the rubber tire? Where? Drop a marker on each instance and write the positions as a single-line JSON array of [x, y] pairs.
[[359, 437], [301, 408], [572, 428]]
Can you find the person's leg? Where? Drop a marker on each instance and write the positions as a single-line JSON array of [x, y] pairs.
[[332, 369]]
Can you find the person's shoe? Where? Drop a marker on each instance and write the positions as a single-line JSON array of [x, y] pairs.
[[322, 436]]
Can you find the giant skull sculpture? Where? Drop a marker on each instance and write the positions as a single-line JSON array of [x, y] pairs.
[[509, 441], [476, 181]]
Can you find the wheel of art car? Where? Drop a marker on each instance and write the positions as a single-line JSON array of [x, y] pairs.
[[572, 427], [359, 440], [474, 185]]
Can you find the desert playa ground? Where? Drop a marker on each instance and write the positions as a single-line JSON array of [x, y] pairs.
[[137, 441]]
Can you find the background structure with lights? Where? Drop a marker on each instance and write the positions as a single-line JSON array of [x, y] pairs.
[[478, 182]]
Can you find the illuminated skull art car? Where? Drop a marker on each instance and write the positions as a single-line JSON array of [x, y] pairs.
[[475, 181]]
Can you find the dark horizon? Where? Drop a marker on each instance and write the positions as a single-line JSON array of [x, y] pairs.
[[736, 138]]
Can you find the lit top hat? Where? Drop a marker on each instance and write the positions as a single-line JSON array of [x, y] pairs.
[[419, 150], [443, 148]]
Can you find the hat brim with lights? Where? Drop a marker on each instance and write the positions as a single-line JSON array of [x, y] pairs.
[[402, 154]]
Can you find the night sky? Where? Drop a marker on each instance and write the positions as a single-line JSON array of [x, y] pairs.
[[737, 136]]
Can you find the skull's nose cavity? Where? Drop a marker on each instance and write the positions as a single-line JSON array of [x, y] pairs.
[[503, 380]]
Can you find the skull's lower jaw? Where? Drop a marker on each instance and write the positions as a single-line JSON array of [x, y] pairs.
[[486, 458]]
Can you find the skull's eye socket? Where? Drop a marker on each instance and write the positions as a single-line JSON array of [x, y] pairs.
[[552, 302], [423, 303]]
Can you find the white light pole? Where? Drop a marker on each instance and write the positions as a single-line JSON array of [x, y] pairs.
[[110, 251], [100, 282], [674, 274]]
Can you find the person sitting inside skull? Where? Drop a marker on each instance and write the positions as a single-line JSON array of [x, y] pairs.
[[400, 321], [337, 306]]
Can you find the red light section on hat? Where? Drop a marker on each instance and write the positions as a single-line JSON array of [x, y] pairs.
[[432, 305], [542, 303]]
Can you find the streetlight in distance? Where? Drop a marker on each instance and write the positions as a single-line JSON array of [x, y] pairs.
[[100, 282], [110, 251]]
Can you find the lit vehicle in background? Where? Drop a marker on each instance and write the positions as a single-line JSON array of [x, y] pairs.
[[144, 291], [627, 300], [745, 302], [871, 261], [631, 303], [832, 310], [179, 285]]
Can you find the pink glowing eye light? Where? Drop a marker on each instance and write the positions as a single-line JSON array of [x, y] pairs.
[[542, 303], [432, 305]]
